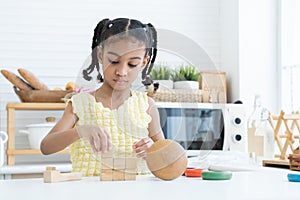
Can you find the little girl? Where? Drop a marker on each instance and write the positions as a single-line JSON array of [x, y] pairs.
[[114, 116]]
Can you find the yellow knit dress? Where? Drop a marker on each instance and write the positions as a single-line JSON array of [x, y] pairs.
[[126, 125]]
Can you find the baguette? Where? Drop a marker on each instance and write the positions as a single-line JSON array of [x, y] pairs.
[[16, 80], [70, 86], [32, 79]]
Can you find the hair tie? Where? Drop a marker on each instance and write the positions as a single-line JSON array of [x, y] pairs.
[[145, 27], [110, 25]]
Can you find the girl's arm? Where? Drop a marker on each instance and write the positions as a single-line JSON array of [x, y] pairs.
[[154, 128], [62, 134]]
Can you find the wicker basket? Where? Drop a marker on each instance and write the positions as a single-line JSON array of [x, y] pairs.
[[175, 95], [46, 96], [294, 161]]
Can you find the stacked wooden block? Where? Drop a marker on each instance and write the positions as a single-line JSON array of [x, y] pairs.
[[117, 168]]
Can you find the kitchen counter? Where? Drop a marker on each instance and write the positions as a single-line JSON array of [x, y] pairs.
[[264, 183], [6, 172]]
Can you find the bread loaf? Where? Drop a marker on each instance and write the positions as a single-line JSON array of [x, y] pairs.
[[70, 86], [32, 79], [16, 80]]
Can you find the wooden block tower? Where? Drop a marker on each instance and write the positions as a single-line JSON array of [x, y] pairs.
[[117, 168]]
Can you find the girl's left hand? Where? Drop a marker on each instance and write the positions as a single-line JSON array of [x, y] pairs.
[[140, 147]]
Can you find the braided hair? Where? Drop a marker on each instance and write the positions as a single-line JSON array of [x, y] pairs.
[[106, 28]]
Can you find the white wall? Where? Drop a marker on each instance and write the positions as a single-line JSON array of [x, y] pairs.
[[229, 22], [258, 52], [249, 50], [53, 38]]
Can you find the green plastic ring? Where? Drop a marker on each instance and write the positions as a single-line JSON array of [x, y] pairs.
[[213, 175]]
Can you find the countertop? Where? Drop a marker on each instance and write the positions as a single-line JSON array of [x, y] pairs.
[[7, 171], [263, 183]]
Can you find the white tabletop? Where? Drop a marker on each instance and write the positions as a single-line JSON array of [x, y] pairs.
[[34, 168], [265, 183]]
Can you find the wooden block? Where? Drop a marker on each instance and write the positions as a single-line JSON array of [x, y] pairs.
[[118, 175], [51, 175], [130, 176], [108, 154], [70, 176], [131, 163], [119, 163], [107, 163], [106, 175]]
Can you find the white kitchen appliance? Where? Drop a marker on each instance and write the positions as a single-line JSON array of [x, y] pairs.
[[205, 126]]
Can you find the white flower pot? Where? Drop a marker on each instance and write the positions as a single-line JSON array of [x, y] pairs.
[[165, 84], [37, 132], [186, 85]]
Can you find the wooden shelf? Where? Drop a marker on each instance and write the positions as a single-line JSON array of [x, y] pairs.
[[11, 108], [276, 163], [36, 106]]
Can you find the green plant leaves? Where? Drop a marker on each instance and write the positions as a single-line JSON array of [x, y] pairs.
[[183, 73], [186, 73], [161, 73]]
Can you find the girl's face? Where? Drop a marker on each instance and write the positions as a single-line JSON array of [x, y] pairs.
[[122, 61]]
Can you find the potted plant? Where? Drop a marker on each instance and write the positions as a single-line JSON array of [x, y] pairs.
[[186, 77], [162, 74]]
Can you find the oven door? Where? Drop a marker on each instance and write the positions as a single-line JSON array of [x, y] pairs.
[[194, 128]]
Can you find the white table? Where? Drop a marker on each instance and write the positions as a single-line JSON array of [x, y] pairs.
[[265, 183], [6, 172]]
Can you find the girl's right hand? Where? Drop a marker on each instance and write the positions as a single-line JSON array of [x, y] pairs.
[[98, 137]]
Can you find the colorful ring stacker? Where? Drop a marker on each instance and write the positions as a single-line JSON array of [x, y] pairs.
[[294, 177], [216, 175]]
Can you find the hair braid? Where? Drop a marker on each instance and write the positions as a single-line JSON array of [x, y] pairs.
[[152, 53]]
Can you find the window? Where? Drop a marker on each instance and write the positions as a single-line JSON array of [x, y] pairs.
[[290, 54]]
